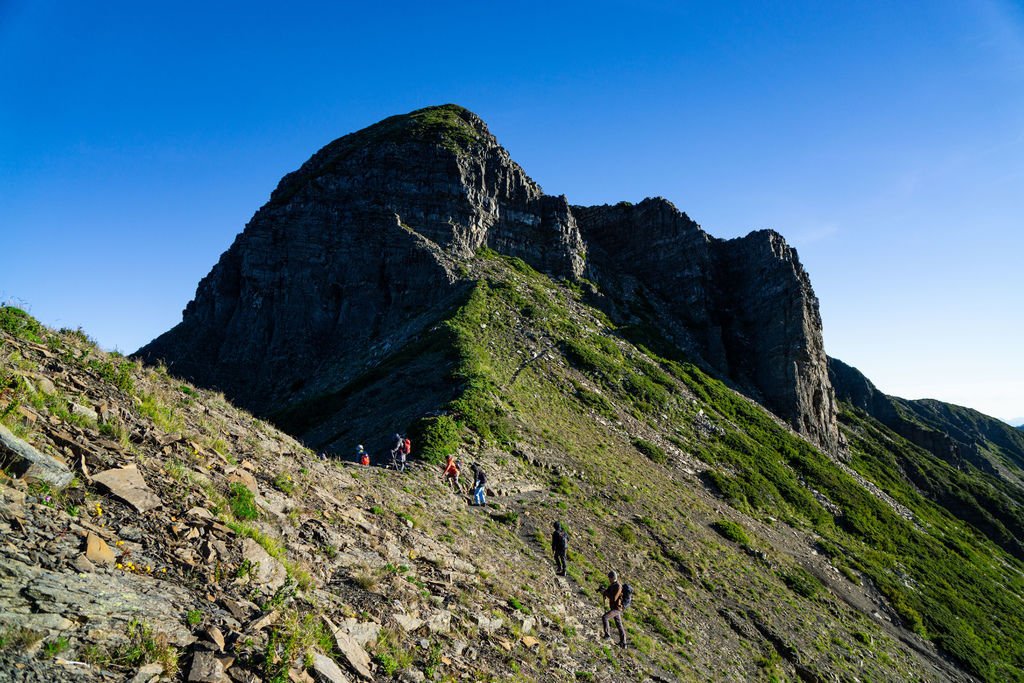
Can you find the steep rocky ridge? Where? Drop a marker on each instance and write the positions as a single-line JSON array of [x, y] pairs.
[[744, 308], [367, 245], [355, 252]]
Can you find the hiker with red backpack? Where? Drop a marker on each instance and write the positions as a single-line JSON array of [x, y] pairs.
[[619, 596], [400, 453], [362, 456]]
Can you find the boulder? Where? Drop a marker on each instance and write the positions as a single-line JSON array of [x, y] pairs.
[[127, 484], [25, 461], [266, 569], [326, 670], [352, 651]]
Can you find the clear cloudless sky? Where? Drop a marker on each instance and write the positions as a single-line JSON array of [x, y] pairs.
[[884, 140]]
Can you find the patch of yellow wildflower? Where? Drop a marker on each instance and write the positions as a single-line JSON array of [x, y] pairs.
[[131, 567]]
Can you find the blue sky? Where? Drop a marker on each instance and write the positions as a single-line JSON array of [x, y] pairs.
[[884, 140]]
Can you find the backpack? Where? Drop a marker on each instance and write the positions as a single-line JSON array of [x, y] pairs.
[[406, 447], [627, 595]]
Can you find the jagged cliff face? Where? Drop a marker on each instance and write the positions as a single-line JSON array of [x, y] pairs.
[[356, 251], [744, 307], [360, 249]]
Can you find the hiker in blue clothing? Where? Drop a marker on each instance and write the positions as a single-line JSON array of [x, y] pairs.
[[479, 485]]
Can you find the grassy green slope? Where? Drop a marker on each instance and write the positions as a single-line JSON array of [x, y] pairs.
[[943, 579], [754, 555]]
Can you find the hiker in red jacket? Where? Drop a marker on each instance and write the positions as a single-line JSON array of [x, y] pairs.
[[450, 474]]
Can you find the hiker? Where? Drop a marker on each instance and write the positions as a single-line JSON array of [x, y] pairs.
[[450, 474], [479, 485], [559, 543], [400, 452], [615, 595], [362, 456]]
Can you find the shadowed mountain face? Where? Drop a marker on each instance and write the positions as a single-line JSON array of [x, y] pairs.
[[744, 308], [366, 246], [356, 251]]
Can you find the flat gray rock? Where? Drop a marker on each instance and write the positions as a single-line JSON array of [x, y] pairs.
[[353, 652], [206, 668], [88, 605], [127, 484], [326, 670], [267, 570], [407, 622]]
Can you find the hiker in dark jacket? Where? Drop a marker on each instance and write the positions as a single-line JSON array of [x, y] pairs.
[[559, 541], [479, 485], [614, 596]]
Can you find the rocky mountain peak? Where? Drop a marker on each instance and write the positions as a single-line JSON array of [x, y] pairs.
[[367, 243]]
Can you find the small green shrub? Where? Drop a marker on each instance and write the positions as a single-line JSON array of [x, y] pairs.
[[596, 402], [438, 437], [510, 517], [193, 617], [626, 533], [284, 483], [242, 501], [651, 450], [390, 653], [732, 531], [595, 355], [645, 392], [145, 647], [52, 648], [117, 371], [801, 582], [20, 324], [563, 485], [19, 639]]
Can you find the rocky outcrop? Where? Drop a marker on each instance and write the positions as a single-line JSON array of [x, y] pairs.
[[359, 246], [744, 307], [365, 246]]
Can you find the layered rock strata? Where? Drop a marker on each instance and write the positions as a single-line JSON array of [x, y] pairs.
[[361, 248], [356, 251], [745, 307]]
